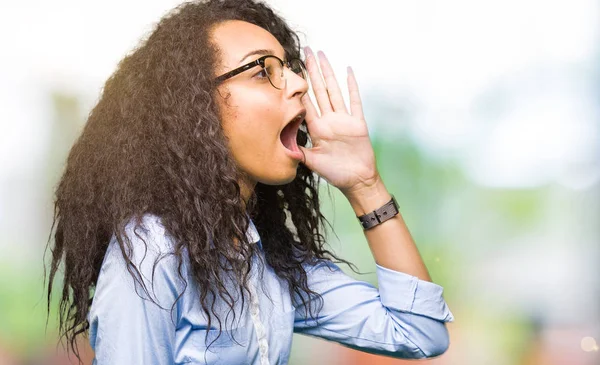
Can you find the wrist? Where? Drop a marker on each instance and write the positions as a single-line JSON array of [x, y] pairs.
[[368, 198]]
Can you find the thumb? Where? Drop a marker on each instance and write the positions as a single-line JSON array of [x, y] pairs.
[[307, 160]]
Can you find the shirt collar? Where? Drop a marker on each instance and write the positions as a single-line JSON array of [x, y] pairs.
[[252, 234]]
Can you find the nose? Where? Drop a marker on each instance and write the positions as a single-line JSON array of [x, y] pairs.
[[296, 85]]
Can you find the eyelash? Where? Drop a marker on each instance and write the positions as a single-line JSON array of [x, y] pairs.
[[263, 71], [260, 72]]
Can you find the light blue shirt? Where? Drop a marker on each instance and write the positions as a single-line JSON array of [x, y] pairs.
[[404, 318]]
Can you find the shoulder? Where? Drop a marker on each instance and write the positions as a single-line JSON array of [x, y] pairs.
[[139, 283], [143, 240], [142, 262], [145, 251]]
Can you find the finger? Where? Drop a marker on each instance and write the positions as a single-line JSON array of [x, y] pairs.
[[355, 102], [317, 82], [335, 94]]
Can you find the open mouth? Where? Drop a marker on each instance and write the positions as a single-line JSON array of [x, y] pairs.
[[290, 132]]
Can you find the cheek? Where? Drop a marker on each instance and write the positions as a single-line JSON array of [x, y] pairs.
[[251, 124], [254, 133], [256, 124]]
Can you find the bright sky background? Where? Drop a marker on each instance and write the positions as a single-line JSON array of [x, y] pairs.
[[505, 86]]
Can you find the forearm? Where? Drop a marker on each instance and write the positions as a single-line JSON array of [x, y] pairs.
[[390, 242]]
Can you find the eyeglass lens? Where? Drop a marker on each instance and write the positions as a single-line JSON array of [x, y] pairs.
[[274, 71]]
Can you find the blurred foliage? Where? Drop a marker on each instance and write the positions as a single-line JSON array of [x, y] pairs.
[[23, 310]]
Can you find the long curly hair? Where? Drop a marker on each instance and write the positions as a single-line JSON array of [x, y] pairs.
[[153, 144]]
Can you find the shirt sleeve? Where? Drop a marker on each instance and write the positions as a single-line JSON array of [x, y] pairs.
[[404, 318], [127, 325]]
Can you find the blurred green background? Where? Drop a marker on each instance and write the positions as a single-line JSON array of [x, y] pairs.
[[485, 119]]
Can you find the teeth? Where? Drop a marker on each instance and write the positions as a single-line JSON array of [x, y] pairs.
[[296, 118]]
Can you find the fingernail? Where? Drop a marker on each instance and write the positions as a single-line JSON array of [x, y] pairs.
[[321, 54], [349, 69], [307, 51]]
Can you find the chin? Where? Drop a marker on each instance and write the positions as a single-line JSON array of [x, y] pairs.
[[279, 180]]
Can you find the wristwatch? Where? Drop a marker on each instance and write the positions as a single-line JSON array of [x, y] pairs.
[[380, 215]]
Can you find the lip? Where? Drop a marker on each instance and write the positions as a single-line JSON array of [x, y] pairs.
[[296, 155]]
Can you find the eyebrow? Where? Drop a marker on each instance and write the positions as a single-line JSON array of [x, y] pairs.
[[261, 52]]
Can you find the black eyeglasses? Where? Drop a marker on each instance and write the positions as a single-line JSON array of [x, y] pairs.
[[273, 67]]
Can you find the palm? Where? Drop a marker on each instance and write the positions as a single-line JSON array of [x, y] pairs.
[[342, 152]]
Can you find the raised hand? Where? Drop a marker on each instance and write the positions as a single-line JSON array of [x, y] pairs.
[[342, 152]]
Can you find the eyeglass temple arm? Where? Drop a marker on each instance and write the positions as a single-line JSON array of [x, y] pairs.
[[239, 70]]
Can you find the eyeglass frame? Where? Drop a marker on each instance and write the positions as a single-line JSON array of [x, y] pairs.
[[261, 62]]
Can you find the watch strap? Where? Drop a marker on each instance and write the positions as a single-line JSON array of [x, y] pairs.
[[380, 215]]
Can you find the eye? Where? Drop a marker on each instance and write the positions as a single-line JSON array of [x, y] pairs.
[[262, 74]]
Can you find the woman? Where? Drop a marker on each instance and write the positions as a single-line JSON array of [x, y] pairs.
[[188, 218]]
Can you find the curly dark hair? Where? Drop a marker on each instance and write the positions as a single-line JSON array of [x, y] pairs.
[[153, 144]]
